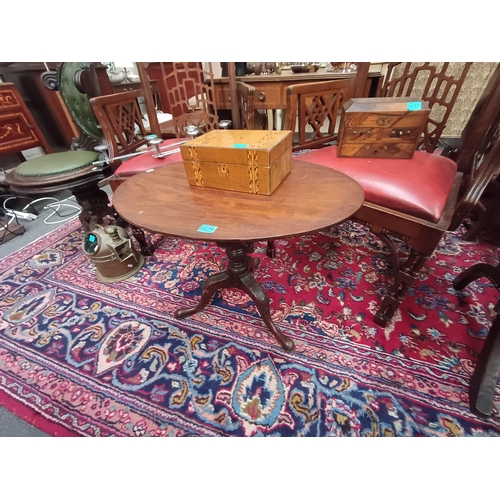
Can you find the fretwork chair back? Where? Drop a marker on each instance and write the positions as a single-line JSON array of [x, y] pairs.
[[187, 92], [438, 84], [413, 201], [313, 110], [120, 119]]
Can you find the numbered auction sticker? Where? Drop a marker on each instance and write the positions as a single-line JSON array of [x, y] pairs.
[[206, 228], [414, 106]]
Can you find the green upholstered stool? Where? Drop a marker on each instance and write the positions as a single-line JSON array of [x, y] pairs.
[[71, 170], [56, 163]]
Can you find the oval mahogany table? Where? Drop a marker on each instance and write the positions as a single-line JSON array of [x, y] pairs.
[[311, 198]]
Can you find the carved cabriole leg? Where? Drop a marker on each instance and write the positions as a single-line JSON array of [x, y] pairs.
[[404, 276], [485, 377], [258, 295], [94, 203], [238, 275], [475, 272], [211, 285]]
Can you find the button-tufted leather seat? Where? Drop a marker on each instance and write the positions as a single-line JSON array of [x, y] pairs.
[[418, 187]]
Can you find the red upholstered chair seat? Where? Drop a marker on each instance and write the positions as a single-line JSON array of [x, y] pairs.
[[146, 161], [418, 187]]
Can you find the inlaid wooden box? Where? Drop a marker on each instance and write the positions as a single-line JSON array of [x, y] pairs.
[[249, 161], [381, 127]]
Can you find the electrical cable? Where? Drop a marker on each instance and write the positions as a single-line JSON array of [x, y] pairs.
[[57, 203], [5, 226]]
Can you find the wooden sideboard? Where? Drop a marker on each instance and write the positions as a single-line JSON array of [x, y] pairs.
[[44, 105], [270, 89], [18, 129]]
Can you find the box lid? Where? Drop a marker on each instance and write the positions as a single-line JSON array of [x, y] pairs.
[[235, 146], [384, 105]]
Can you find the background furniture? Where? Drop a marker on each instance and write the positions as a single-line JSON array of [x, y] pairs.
[[411, 200], [121, 123], [18, 129], [186, 90], [271, 89], [431, 82], [185, 210], [313, 109], [484, 379], [50, 116], [74, 169]]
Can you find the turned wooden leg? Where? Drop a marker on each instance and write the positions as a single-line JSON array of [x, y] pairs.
[[141, 239], [138, 234], [403, 281], [238, 275], [271, 250]]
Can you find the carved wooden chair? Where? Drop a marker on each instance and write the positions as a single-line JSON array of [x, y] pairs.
[[480, 134], [186, 91], [314, 109], [411, 200], [121, 121], [120, 118], [431, 82], [75, 170]]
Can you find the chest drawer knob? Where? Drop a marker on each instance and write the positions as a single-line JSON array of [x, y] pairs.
[[383, 121], [262, 96]]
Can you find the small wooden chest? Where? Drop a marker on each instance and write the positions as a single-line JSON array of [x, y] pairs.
[[382, 127], [249, 161]]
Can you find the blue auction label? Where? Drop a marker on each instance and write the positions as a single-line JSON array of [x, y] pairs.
[[414, 106], [206, 228], [240, 145]]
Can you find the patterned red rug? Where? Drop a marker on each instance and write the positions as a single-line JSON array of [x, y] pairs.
[[78, 357]]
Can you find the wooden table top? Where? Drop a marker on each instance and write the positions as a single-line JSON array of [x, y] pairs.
[[288, 75], [312, 197]]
